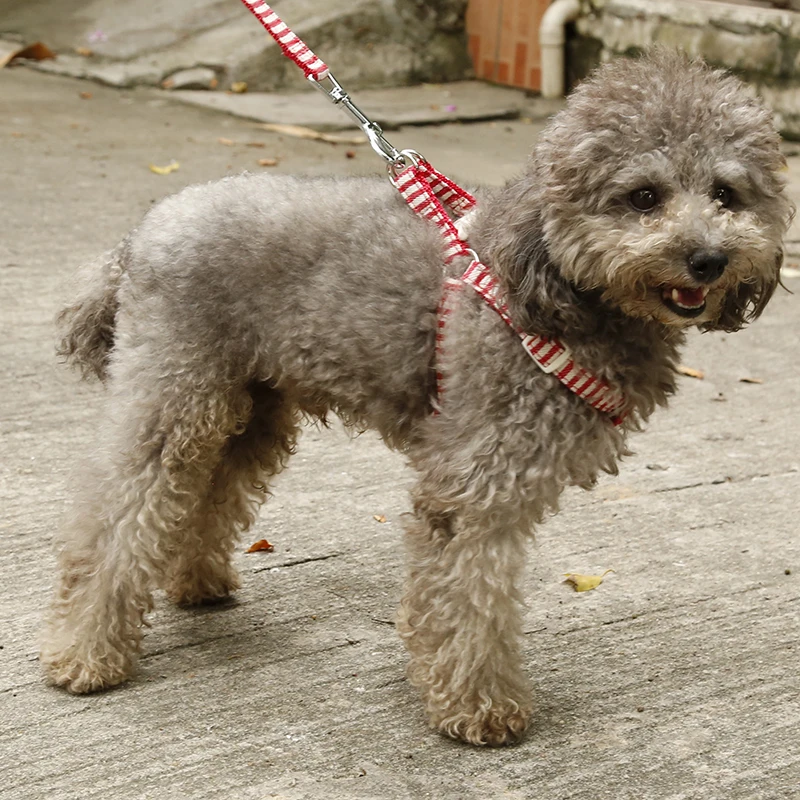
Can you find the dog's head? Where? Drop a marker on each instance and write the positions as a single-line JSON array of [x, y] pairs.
[[661, 187]]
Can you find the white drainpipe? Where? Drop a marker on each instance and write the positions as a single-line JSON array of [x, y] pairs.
[[551, 40]]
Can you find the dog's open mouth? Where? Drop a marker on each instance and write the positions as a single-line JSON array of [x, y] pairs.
[[683, 301]]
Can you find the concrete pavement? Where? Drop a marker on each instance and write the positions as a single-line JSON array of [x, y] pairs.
[[677, 679]]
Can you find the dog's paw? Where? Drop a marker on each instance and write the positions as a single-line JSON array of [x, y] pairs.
[[80, 675], [203, 584], [501, 723]]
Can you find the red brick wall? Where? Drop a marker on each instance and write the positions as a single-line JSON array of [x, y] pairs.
[[504, 40]]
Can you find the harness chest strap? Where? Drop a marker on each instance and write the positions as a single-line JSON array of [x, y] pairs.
[[550, 355]]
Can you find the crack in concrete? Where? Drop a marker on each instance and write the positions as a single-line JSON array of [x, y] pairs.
[[677, 607], [391, 682], [726, 479], [296, 562]]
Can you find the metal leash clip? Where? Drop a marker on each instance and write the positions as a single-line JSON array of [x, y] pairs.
[[396, 159]]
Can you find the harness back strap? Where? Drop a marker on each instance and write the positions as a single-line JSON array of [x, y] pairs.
[[425, 190]]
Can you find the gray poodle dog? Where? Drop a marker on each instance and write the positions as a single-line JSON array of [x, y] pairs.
[[654, 202]]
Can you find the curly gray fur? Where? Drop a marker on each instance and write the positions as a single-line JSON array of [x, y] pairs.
[[240, 306]]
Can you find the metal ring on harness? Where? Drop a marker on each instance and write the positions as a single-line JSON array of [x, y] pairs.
[[404, 159]]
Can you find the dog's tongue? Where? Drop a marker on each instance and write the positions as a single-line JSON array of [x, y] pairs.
[[691, 298]]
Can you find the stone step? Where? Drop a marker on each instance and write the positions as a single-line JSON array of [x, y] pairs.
[[145, 42]]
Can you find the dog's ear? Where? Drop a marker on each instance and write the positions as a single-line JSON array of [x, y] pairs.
[[746, 302], [540, 299]]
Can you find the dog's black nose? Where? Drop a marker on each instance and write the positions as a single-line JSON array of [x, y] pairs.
[[707, 265]]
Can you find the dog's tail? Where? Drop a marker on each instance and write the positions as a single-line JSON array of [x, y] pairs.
[[88, 322]]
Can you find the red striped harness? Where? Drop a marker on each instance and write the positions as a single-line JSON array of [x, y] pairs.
[[427, 192]]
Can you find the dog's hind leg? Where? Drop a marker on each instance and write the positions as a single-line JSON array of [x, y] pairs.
[[460, 620], [201, 568], [163, 439]]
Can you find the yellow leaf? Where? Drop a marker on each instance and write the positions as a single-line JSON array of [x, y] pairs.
[[165, 170], [239, 87], [585, 583], [267, 162], [691, 372], [301, 132], [379, 518]]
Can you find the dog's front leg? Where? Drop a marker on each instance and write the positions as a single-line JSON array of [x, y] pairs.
[[460, 619]]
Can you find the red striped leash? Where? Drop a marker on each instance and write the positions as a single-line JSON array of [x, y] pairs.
[[293, 46], [423, 187], [317, 72]]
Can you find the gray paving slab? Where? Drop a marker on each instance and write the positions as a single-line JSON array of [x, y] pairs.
[[675, 680], [429, 104]]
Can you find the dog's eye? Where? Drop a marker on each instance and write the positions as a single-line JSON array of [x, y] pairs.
[[644, 199], [723, 195]]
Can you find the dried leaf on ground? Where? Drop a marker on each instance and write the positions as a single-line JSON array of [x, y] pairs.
[[86, 52], [36, 52], [239, 87], [585, 583], [750, 380], [262, 545], [226, 142], [267, 162], [165, 170], [301, 132], [85, 95], [255, 144], [691, 372], [379, 518]]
